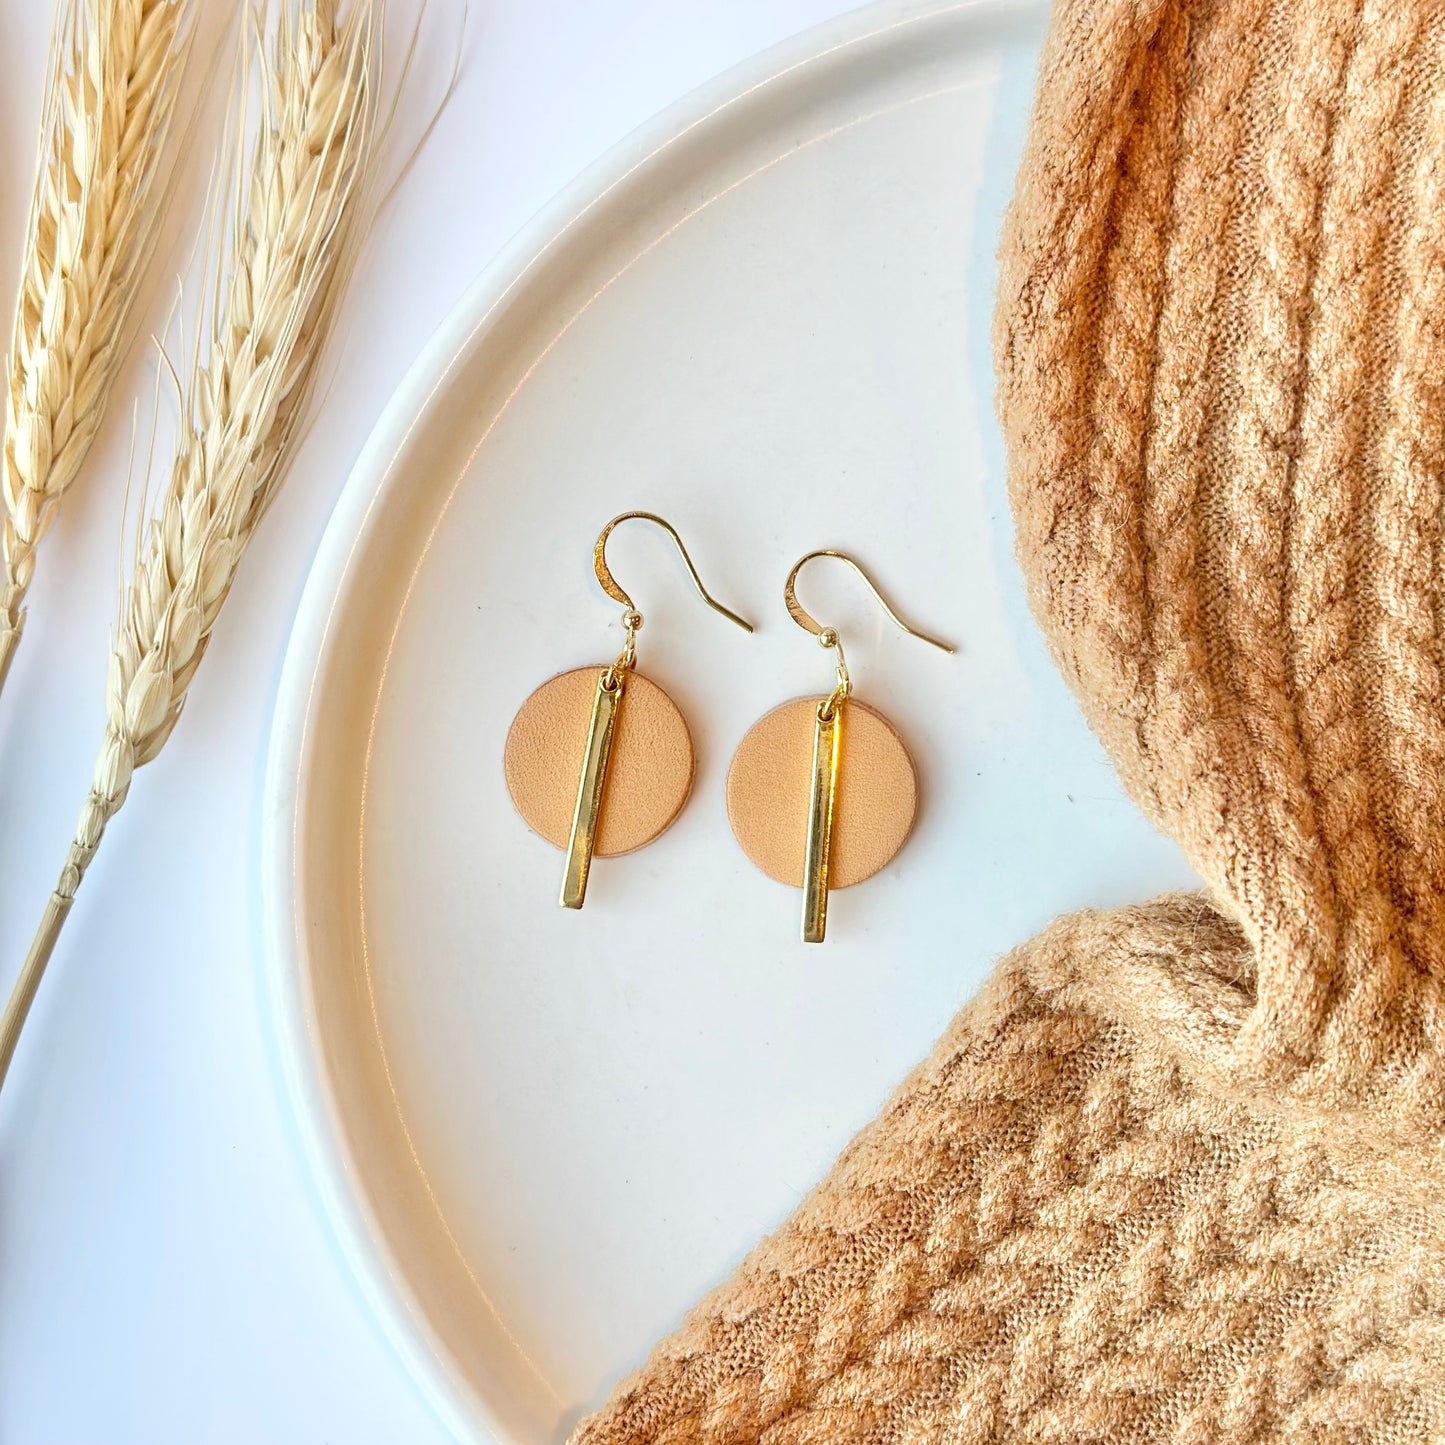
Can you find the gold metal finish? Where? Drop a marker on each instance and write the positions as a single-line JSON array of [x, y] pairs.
[[609, 582], [826, 635], [627, 658], [827, 751], [591, 786]]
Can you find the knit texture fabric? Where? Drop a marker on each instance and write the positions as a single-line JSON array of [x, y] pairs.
[[1177, 1174]]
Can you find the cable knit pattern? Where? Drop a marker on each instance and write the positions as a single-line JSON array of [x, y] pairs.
[[1179, 1173], [1249, 613], [1060, 1229]]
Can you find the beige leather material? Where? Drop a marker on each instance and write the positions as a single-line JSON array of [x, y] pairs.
[[649, 774], [771, 775]]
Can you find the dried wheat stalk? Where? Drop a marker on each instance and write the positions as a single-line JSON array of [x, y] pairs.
[[301, 207], [99, 180]]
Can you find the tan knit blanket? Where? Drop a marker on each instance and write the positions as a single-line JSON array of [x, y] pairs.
[[1178, 1173]]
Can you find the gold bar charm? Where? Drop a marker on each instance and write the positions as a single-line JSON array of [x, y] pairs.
[[827, 747], [589, 790]]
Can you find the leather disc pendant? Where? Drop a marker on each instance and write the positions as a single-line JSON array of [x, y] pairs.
[[770, 780], [649, 774]]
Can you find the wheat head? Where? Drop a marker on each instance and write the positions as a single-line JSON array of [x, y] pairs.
[[100, 176], [300, 208]]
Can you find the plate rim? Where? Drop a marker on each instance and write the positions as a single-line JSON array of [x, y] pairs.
[[331, 1169]]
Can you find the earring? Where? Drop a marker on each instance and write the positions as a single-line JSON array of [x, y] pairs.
[[637, 759], [809, 810]]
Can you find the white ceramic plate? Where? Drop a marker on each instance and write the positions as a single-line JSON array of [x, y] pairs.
[[541, 1134]]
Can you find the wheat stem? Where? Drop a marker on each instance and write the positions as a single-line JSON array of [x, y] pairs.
[[300, 204], [17, 1010]]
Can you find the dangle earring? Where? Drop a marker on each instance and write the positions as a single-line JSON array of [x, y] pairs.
[[599, 760], [822, 793]]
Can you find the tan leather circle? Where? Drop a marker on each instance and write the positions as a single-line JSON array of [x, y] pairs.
[[770, 779], [649, 774]]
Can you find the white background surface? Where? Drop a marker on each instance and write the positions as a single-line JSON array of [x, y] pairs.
[[768, 320], [165, 1272]]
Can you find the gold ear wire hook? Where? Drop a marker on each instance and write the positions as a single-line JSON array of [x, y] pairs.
[[609, 582], [828, 636]]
